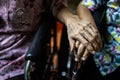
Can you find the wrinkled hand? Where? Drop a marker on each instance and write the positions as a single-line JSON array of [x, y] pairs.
[[72, 24], [83, 37], [88, 41]]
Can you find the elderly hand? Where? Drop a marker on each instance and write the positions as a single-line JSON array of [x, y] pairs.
[[72, 28], [83, 36], [91, 36]]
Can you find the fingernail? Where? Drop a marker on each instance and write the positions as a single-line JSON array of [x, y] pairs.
[[76, 59], [83, 58], [93, 52]]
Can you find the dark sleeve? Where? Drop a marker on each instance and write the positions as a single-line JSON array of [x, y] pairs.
[[57, 5]]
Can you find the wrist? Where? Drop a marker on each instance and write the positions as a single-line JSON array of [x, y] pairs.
[[64, 15]]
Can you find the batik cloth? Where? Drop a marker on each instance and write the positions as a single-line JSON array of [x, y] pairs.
[[108, 59]]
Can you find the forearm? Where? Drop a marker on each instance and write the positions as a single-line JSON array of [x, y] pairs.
[[64, 15], [84, 13]]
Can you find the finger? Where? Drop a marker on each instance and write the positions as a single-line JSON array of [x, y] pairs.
[[85, 55], [99, 41], [96, 46], [88, 36], [80, 38], [79, 52], [77, 44], [93, 28], [95, 40], [72, 44], [91, 31], [90, 48]]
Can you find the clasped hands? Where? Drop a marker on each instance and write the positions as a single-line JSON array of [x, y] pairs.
[[84, 38]]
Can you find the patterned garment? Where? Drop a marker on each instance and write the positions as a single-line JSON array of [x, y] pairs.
[[108, 59], [18, 19]]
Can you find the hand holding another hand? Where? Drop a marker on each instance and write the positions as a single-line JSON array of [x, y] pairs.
[[84, 37]]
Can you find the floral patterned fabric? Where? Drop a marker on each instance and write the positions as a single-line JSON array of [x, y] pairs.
[[108, 59]]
